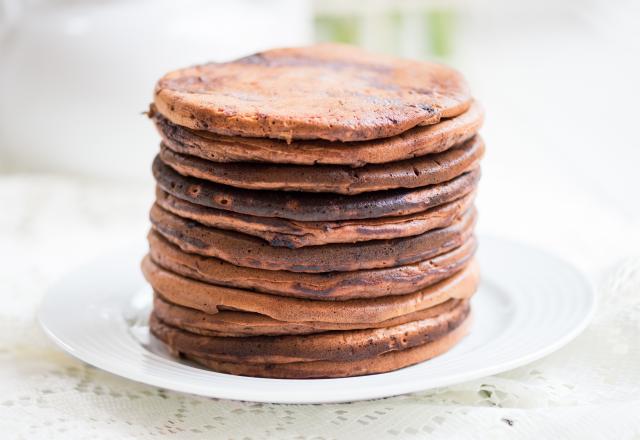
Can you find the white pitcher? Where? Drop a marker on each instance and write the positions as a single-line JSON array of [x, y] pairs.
[[76, 75]]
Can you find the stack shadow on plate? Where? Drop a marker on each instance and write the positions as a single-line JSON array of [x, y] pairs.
[[314, 212]]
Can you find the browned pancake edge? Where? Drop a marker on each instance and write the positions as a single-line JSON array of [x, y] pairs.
[[331, 286], [333, 345], [410, 173], [312, 206], [294, 234], [246, 250], [211, 299], [386, 362], [412, 143]]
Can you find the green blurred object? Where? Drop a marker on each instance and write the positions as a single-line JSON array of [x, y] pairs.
[[417, 29], [440, 25], [339, 29]]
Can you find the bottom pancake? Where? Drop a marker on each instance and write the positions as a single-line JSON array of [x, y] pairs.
[[347, 345], [388, 361]]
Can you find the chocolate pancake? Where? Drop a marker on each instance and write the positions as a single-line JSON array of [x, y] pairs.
[[312, 206], [328, 346], [389, 361], [410, 173], [239, 324], [318, 286], [248, 251], [293, 234], [210, 298], [412, 143], [328, 91]]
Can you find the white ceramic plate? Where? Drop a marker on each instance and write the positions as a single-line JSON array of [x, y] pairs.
[[529, 304]]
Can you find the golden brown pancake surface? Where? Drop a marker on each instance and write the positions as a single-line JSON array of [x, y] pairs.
[[412, 143], [333, 92]]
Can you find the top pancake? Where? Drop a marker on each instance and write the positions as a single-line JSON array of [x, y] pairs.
[[327, 91]]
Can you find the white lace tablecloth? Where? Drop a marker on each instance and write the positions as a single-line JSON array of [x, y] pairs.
[[588, 390]]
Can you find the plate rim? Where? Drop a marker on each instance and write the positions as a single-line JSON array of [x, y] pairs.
[[351, 395]]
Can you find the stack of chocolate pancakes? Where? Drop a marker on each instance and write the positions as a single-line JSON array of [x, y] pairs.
[[314, 213]]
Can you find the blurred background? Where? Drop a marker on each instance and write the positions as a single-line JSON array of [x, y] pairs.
[[558, 80]]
